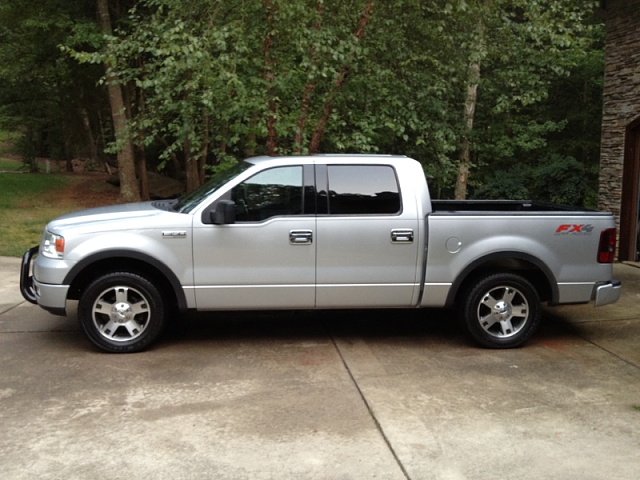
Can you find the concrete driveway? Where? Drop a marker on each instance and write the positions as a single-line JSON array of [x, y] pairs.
[[331, 395]]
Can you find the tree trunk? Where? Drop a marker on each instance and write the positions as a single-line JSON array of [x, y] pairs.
[[141, 156], [250, 148], [141, 166], [90, 140], [469, 113], [477, 53], [129, 191], [190, 168], [202, 161]]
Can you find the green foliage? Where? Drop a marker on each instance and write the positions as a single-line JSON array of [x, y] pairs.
[[558, 135], [41, 89], [212, 82], [7, 137], [514, 183], [554, 179], [202, 70], [559, 179]]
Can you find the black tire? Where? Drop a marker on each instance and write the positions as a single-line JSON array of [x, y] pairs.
[[501, 310], [122, 312]]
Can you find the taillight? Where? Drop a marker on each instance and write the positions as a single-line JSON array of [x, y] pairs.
[[607, 246]]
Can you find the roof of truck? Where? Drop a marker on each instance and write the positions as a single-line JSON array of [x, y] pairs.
[[359, 157]]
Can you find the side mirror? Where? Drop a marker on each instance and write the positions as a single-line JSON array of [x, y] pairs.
[[225, 213]]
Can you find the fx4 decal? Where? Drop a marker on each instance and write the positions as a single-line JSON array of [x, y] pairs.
[[567, 229]]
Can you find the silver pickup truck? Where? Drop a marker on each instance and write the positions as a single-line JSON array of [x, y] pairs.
[[320, 232]]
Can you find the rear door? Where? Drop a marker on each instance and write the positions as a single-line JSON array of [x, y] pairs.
[[367, 238]]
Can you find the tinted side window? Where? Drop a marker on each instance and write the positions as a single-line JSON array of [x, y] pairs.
[[277, 191], [363, 189]]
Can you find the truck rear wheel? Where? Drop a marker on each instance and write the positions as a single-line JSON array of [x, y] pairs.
[[122, 312], [501, 310]]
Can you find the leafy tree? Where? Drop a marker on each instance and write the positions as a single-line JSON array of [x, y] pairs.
[[44, 95], [547, 132], [404, 94], [521, 49], [216, 79]]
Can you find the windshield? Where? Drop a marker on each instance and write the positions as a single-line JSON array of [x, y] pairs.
[[188, 202]]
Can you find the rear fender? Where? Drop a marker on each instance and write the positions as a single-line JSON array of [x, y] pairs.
[[507, 262]]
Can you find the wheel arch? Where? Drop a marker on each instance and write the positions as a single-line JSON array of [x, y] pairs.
[[530, 267], [85, 271]]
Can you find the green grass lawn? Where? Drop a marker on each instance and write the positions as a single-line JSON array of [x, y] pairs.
[[11, 165], [26, 206]]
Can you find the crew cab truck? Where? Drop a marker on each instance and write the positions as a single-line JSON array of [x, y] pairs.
[[320, 232]]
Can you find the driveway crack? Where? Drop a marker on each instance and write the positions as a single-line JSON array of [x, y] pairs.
[[368, 406]]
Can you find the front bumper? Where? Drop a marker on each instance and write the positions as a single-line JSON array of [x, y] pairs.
[[52, 298], [607, 293]]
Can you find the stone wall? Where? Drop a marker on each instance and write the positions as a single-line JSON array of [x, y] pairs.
[[621, 95]]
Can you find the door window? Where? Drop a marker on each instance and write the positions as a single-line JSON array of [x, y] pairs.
[[273, 192], [363, 189]]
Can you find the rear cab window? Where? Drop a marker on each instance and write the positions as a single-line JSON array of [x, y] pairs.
[[360, 190]]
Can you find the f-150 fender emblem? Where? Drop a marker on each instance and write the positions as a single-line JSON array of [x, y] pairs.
[[174, 234]]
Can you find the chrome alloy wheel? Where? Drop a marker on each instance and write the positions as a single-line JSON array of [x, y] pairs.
[[121, 313], [503, 311]]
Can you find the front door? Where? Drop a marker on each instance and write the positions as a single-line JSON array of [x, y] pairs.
[[267, 258]]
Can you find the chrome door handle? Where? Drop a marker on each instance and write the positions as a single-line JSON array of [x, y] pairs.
[[401, 235], [300, 237]]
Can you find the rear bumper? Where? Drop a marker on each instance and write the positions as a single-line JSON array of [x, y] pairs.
[[607, 293]]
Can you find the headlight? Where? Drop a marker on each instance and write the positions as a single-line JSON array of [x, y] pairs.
[[52, 245]]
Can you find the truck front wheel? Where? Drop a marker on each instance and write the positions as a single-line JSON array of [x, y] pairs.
[[122, 312], [501, 310]]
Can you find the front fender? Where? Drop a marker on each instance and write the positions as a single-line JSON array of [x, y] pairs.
[[88, 263]]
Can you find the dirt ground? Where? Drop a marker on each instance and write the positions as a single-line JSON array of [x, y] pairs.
[[88, 190]]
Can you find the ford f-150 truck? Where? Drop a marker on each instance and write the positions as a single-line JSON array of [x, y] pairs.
[[320, 232]]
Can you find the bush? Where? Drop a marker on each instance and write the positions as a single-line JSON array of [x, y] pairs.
[[553, 178]]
